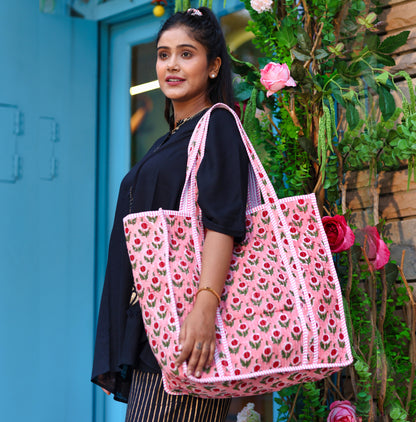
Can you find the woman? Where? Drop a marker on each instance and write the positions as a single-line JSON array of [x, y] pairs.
[[194, 73]]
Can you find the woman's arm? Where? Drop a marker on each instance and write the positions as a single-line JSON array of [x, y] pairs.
[[197, 336]]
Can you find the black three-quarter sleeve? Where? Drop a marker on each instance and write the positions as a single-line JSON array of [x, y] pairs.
[[223, 177]]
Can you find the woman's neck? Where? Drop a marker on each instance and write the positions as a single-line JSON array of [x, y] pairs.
[[183, 110]]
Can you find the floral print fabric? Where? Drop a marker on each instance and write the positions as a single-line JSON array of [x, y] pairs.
[[281, 319]]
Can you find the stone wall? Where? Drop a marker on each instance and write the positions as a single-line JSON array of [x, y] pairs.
[[396, 203]]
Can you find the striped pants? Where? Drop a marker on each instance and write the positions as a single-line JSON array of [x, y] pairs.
[[148, 402]]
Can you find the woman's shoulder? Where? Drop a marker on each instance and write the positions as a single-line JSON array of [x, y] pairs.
[[223, 124], [222, 114]]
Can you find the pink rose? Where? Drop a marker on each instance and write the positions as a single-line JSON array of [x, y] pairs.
[[377, 251], [340, 235], [342, 411], [276, 76], [262, 5]]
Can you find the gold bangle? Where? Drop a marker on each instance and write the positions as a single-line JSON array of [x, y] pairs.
[[211, 290]]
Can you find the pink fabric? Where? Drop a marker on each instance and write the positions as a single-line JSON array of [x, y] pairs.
[[281, 319]]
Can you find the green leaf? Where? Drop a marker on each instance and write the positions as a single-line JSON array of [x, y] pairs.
[[386, 102], [356, 68], [243, 66], [263, 61], [297, 71], [260, 98], [303, 39], [242, 91], [336, 92], [321, 54], [382, 78], [391, 273], [372, 41], [349, 95], [370, 81], [391, 44], [286, 37], [352, 115], [385, 59], [341, 66], [300, 56]]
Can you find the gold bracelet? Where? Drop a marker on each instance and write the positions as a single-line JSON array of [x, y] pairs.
[[211, 290]]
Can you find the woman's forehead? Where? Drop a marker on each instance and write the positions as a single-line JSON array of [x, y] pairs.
[[176, 36]]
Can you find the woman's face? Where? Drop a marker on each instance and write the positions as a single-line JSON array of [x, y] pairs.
[[182, 68]]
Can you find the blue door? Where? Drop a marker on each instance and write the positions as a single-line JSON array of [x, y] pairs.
[[48, 87], [129, 124]]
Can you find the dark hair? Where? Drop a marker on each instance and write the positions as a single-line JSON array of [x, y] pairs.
[[204, 28]]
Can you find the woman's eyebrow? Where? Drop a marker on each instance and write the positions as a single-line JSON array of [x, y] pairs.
[[178, 46]]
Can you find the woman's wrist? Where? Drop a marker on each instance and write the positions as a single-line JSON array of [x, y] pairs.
[[206, 300], [210, 290]]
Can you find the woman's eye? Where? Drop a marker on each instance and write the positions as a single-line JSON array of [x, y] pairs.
[[162, 55], [186, 54]]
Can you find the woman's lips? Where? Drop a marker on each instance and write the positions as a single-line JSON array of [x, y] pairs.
[[173, 81]]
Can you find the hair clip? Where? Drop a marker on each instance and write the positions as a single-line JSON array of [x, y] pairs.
[[194, 12]]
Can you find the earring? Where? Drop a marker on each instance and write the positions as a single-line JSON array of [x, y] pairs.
[[213, 75]]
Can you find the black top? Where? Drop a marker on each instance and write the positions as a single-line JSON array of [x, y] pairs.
[[157, 182]]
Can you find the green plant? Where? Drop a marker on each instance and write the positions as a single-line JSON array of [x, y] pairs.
[[341, 117]]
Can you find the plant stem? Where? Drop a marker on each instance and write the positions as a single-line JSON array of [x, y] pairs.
[[412, 323], [383, 382], [350, 276], [383, 307], [336, 388], [292, 114], [269, 118], [315, 45], [292, 410], [372, 293]]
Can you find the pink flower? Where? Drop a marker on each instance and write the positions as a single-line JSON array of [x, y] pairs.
[[342, 411], [340, 236], [262, 5], [276, 76], [377, 251]]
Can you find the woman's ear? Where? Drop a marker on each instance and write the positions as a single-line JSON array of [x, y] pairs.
[[215, 67]]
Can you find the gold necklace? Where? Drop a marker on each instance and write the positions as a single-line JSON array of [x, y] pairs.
[[180, 122]]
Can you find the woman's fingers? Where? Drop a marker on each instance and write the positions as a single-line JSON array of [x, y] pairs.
[[204, 359], [198, 354], [211, 355], [185, 346], [195, 358], [197, 343]]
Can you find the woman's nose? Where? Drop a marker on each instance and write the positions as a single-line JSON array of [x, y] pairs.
[[172, 63]]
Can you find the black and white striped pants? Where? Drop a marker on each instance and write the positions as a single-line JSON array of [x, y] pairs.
[[148, 402]]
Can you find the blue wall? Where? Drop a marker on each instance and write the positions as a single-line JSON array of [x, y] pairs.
[[48, 77]]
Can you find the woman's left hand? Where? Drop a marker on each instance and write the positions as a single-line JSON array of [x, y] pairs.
[[197, 336]]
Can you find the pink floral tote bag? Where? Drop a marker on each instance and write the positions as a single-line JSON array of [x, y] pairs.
[[281, 319]]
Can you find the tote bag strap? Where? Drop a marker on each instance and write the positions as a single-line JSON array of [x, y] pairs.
[[260, 182], [196, 151]]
